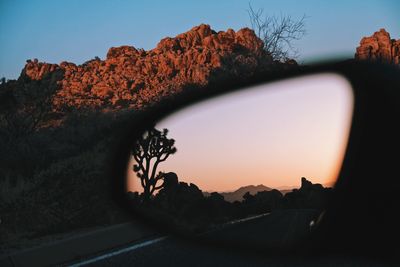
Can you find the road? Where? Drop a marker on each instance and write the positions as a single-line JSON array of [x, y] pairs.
[[278, 228]]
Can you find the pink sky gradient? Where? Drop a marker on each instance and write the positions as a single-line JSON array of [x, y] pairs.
[[271, 134]]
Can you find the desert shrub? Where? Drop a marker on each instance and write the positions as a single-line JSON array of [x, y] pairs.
[[58, 178]]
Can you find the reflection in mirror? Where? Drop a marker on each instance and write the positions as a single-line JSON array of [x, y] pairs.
[[252, 163]]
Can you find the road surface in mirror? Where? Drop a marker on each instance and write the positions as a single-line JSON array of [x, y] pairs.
[[270, 135]]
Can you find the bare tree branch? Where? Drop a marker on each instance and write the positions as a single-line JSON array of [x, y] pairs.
[[277, 33]]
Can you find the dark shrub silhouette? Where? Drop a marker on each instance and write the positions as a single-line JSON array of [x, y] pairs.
[[188, 207], [262, 202], [309, 195], [184, 205], [177, 196], [149, 151], [248, 198]]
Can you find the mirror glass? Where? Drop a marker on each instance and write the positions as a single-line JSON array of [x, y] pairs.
[[252, 163]]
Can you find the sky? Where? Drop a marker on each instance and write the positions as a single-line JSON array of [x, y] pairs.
[[261, 135], [54, 31]]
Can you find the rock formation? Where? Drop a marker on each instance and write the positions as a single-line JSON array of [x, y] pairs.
[[309, 195], [131, 77], [379, 47]]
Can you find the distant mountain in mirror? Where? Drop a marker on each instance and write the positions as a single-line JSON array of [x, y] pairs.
[[237, 195]]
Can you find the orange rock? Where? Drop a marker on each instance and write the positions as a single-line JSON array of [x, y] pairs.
[[379, 47], [131, 77]]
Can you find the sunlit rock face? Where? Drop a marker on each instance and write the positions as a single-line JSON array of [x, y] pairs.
[[131, 77], [379, 47]]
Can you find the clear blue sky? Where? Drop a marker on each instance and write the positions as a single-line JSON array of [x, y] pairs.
[[72, 30]]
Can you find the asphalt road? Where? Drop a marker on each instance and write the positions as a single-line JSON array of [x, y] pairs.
[[277, 229]]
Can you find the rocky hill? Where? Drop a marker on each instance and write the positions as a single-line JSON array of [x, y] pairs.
[[133, 78], [130, 77], [379, 47]]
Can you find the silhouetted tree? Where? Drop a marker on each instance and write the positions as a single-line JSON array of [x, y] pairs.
[[153, 148], [277, 33]]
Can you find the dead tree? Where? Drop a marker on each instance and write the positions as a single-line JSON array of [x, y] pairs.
[[277, 33]]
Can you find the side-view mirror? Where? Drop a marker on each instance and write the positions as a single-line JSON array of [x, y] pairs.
[[254, 167]]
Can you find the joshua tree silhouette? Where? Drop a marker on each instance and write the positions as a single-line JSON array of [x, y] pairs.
[[153, 148]]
